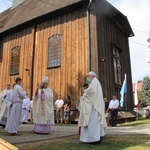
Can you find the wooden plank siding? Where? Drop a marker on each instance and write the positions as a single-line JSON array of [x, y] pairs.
[[105, 32], [109, 35], [63, 80], [93, 39], [24, 40]]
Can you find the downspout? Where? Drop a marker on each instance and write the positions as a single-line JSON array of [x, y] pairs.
[[89, 35], [33, 55]]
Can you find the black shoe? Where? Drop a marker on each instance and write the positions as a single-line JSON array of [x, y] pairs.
[[24, 123], [97, 142], [3, 126], [101, 138]]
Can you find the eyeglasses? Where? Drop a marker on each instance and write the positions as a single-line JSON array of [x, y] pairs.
[[8, 85]]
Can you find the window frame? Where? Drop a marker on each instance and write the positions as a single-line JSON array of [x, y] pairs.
[[117, 81], [54, 55], [12, 63]]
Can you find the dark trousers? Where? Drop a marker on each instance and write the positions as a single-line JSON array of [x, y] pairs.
[[114, 114]]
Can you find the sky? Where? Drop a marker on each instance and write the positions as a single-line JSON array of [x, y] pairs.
[[5, 4], [138, 15]]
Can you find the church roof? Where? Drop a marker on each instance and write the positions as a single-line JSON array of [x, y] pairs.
[[31, 9], [34, 11]]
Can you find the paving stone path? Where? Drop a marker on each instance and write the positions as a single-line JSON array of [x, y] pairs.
[[65, 131]]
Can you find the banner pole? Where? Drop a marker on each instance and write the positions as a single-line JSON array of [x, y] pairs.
[[126, 106], [137, 113]]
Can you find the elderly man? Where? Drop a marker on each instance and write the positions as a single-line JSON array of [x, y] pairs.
[[16, 99], [43, 111], [92, 117], [3, 107]]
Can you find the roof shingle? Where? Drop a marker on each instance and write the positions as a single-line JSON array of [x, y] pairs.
[[30, 9]]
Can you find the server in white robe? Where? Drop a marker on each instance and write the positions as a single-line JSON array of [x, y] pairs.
[[17, 97], [3, 107], [25, 110], [9, 102], [92, 111]]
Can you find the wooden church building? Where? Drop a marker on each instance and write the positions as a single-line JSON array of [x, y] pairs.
[[64, 39]]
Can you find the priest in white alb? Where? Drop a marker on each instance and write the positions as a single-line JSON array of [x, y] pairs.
[[9, 102], [3, 107], [43, 111], [16, 98], [25, 110], [92, 111]]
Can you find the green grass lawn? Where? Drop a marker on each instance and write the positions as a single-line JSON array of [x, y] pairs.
[[115, 142], [4, 133], [134, 142], [140, 121]]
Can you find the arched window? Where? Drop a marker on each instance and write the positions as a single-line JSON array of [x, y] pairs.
[[15, 60], [54, 51]]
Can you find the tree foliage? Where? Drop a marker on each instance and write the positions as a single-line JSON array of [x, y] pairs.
[[145, 95], [140, 96], [148, 40]]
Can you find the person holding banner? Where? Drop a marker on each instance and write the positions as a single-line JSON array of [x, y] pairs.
[[113, 107]]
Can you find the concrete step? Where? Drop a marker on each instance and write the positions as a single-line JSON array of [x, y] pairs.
[[122, 115]]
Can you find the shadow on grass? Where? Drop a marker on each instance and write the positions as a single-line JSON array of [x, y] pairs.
[[141, 121], [4, 133], [136, 142]]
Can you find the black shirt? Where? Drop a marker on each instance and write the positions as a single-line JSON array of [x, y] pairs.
[[106, 105], [68, 102]]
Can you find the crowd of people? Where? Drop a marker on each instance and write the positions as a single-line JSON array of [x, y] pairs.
[[15, 106], [93, 116], [11, 104]]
